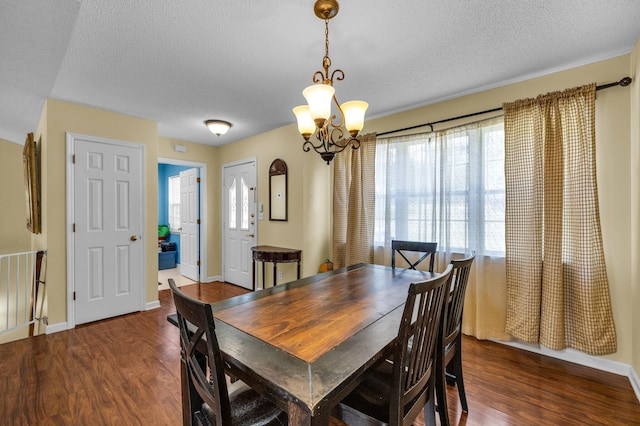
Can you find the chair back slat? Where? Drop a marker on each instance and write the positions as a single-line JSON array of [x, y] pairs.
[[428, 249]]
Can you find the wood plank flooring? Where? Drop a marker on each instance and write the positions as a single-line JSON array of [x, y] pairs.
[[125, 370]]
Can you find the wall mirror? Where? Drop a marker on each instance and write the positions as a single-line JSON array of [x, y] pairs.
[[278, 188]]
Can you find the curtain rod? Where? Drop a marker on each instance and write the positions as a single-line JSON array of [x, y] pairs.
[[623, 82]]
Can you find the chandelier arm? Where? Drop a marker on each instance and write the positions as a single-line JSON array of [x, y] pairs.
[[318, 77], [338, 74], [321, 136], [332, 123], [343, 144]]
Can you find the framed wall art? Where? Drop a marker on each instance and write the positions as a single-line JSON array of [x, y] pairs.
[[31, 160]]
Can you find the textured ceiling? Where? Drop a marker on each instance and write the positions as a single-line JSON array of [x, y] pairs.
[[180, 63]]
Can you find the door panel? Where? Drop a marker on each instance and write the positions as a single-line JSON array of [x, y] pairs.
[[239, 222], [190, 227], [108, 250]]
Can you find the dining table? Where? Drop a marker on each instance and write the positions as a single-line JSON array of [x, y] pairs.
[[306, 344]]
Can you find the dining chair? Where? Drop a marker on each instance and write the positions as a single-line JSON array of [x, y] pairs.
[[450, 349], [394, 393], [426, 248], [217, 403]]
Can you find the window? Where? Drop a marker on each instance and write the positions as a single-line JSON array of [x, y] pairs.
[[174, 203], [445, 186]]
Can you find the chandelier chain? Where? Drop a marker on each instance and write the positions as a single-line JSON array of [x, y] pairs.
[[326, 61]]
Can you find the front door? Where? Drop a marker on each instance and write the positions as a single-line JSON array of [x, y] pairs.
[[108, 220], [189, 224], [239, 225]]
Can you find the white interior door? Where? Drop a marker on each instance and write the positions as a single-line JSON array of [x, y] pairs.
[[108, 220], [189, 224], [239, 205]]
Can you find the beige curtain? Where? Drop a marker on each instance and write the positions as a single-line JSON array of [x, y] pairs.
[[353, 203], [557, 289]]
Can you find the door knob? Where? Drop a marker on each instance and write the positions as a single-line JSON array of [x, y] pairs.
[[134, 238], [250, 235]]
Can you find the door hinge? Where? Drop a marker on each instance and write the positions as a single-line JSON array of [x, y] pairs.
[[198, 263], [74, 295], [74, 228], [197, 180], [198, 221], [73, 159]]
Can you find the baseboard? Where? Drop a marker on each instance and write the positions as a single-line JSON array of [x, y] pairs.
[[56, 328], [635, 382], [152, 305], [574, 356], [577, 357], [214, 278]]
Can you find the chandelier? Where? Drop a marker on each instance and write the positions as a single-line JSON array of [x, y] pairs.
[[316, 118]]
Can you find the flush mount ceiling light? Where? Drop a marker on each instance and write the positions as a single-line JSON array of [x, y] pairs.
[[316, 118], [218, 127]]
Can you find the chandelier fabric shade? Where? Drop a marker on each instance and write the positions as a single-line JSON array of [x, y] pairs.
[[316, 118]]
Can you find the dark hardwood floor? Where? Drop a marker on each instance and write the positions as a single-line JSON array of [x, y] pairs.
[[125, 370]]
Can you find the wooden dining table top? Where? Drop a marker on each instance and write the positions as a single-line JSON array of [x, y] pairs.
[[310, 320], [305, 344]]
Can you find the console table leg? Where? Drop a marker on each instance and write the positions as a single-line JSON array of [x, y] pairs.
[[275, 273]]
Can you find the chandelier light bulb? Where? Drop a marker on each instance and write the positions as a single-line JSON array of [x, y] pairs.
[[319, 97], [354, 115], [306, 125]]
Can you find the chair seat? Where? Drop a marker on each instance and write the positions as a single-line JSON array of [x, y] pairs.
[[249, 408]]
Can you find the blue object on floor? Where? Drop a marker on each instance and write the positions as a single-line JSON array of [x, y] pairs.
[[166, 260]]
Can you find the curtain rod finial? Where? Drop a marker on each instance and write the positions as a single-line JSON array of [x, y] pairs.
[[625, 81]]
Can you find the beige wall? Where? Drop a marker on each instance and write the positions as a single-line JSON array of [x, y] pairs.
[[14, 236], [634, 195], [208, 155], [59, 118]]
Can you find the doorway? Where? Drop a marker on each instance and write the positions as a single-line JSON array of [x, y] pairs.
[[197, 255]]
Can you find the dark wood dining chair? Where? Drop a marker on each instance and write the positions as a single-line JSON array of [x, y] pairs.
[[426, 248], [394, 393], [208, 398], [450, 350]]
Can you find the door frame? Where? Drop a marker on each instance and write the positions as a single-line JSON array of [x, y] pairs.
[[202, 172], [224, 206], [70, 150]]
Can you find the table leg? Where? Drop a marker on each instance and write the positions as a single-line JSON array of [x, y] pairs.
[[275, 272], [263, 283], [253, 277], [298, 268], [298, 416]]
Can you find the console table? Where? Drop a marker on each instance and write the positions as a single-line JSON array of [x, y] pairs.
[[274, 255]]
